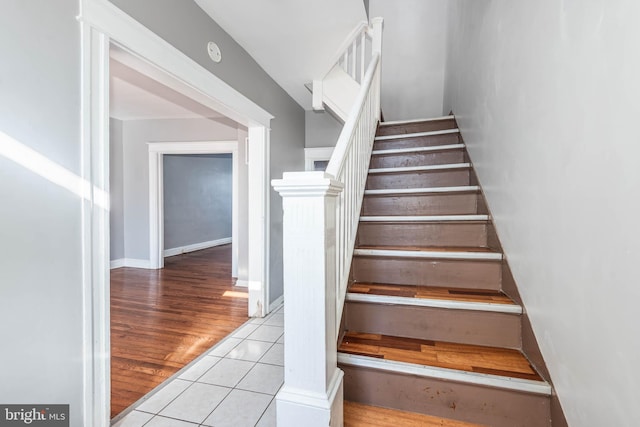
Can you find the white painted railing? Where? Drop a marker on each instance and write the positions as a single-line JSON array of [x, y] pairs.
[[321, 213], [338, 87], [349, 165]]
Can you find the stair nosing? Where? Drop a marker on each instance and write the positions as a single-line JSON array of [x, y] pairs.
[[404, 122], [417, 134], [421, 168], [454, 189], [476, 378], [417, 149], [425, 218], [435, 303], [461, 255]]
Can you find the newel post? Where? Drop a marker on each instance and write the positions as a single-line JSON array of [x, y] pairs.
[[312, 392]]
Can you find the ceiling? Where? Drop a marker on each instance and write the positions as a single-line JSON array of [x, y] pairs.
[[135, 96], [292, 40]]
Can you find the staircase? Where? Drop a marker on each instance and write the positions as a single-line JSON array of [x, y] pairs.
[[427, 327]]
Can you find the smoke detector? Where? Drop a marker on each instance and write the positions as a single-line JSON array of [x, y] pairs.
[[214, 52]]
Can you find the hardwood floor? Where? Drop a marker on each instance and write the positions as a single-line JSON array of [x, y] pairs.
[[163, 319], [359, 415], [465, 357]]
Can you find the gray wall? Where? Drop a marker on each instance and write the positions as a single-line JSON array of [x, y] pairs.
[[40, 255], [136, 135], [116, 187], [184, 25], [546, 95], [197, 198], [321, 129], [413, 57]]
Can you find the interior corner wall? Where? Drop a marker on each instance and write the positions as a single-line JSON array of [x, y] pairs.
[[116, 190], [546, 96], [413, 57], [136, 136], [41, 282], [321, 129], [189, 29]]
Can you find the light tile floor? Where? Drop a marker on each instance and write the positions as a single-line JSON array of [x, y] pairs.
[[233, 385]]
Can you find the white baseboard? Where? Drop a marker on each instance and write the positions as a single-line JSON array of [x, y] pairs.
[[275, 304], [130, 262], [117, 263], [196, 247], [242, 283]]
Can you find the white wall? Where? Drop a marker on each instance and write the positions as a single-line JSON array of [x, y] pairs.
[[546, 94], [40, 251], [413, 56], [136, 136]]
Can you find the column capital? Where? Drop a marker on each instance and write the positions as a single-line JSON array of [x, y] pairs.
[[307, 184]]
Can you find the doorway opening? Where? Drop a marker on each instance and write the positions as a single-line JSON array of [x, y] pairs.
[[104, 25]]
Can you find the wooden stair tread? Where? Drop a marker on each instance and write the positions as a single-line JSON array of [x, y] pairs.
[[432, 292], [395, 192], [425, 218], [419, 134], [443, 249], [410, 150], [360, 415], [463, 357]]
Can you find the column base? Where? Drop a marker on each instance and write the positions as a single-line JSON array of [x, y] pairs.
[[296, 407]]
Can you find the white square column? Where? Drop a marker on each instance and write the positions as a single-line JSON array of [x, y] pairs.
[[312, 394]]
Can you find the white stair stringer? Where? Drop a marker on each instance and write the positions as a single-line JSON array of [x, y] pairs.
[[339, 92]]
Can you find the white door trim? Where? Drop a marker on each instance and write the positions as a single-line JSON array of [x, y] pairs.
[[101, 23], [156, 193]]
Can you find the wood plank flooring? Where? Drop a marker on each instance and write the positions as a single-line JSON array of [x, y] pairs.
[[163, 319], [359, 415], [431, 292], [465, 357]]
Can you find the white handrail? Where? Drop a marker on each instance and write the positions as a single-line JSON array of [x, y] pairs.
[[342, 54], [321, 213], [349, 165]]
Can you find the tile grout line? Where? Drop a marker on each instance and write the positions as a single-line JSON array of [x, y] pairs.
[[206, 354]]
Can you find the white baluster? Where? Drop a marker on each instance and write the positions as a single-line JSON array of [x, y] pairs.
[[354, 58], [363, 49]]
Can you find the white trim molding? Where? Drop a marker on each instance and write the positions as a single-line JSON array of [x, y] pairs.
[[497, 381], [164, 59], [435, 303], [156, 209], [392, 191], [417, 135], [196, 247], [404, 122], [313, 154], [131, 262], [276, 303], [101, 24], [417, 149], [468, 255]]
